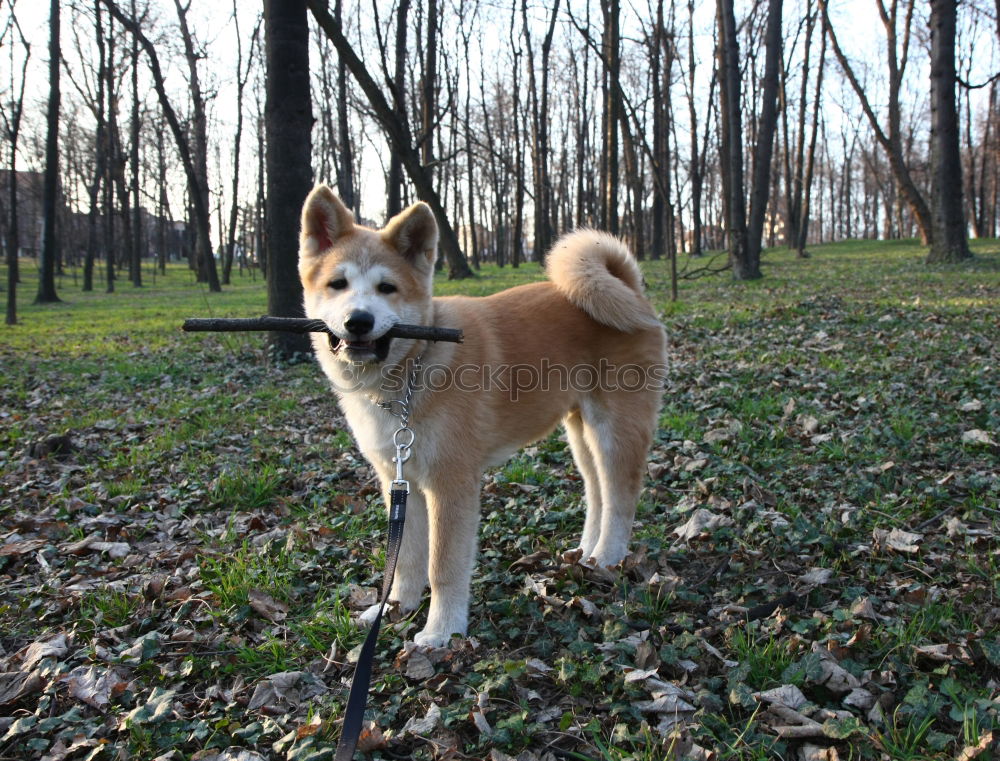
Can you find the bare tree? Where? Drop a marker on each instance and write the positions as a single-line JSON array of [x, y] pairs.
[[49, 253], [242, 75], [891, 137], [766, 126], [731, 140], [400, 138], [345, 168], [136, 242], [12, 132], [539, 98], [394, 182], [949, 241], [199, 126], [611, 54], [288, 120], [195, 165]]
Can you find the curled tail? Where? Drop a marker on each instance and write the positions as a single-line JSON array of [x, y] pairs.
[[595, 271]]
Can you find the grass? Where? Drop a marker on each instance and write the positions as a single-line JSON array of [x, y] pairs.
[[852, 376]]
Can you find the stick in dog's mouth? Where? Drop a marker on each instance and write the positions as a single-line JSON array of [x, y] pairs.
[[378, 346]]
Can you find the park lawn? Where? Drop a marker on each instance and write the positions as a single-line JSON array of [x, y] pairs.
[[816, 547]]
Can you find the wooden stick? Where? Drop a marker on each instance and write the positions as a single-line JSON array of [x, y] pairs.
[[304, 325]]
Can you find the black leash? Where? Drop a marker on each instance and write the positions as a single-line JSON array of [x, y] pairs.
[[354, 714], [399, 488]]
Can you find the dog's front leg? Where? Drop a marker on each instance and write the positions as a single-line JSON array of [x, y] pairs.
[[410, 579], [453, 515]]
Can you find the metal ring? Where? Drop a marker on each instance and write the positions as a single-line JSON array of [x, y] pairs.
[[403, 444]]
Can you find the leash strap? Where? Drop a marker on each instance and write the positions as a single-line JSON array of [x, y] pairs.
[[354, 714]]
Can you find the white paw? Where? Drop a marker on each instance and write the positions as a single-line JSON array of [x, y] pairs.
[[607, 560], [368, 617], [428, 638]]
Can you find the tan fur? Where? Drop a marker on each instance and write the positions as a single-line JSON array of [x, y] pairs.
[[591, 312]]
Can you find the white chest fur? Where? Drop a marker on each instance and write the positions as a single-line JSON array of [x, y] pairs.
[[373, 428]]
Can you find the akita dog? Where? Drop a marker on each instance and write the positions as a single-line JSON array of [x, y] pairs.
[[585, 349]]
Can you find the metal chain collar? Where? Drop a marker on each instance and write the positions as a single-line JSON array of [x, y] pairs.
[[403, 436]]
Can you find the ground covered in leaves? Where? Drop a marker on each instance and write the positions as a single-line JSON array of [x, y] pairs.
[[186, 532]]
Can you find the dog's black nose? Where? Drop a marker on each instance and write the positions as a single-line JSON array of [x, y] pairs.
[[359, 322]]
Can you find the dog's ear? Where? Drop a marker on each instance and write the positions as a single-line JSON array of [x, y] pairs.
[[414, 234], [325, 219]]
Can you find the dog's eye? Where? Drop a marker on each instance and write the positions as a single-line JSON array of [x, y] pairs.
[[386, 288], [339, 284]]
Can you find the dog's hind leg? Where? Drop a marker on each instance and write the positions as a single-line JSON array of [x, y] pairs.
[[618, 432], [584, 459], [453, 522]]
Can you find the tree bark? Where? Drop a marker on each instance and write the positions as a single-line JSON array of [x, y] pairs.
[[949, 240], [206, 258], [136, 241], [394, 182], [345, 169], [697, 175], [517, 241], [100, 155], [288, 120], [765, 135], [50, 188], [12, 128], [241, 81], [399, 137], [731, 153], [612, 106]]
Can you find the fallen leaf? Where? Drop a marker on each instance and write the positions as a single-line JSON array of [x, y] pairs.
[[701, 523], [425, 725], [976, 436], [94, 686], [787, 695], [271, 609], [15, 685], [362, 598], [970, 752], [817, 576], [50, 648], [419, 666], [371, 738]]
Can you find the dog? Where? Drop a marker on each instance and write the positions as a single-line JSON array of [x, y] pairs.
[[584, 348]]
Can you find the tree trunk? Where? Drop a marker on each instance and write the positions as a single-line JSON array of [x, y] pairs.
[[100, 156], [394, 182], [697, 175], [949, 240], [660, 166], [13, 130], [50, 188], [765, 136], [206, 258], [288, 117], [731, 153], [136, 247], [802, 228], [345, 170], [241, 81], [612, 105], [515, 122]]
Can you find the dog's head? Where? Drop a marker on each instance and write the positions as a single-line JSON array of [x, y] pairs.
[[360, 281]]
